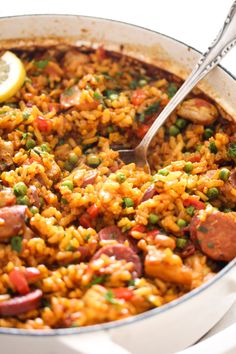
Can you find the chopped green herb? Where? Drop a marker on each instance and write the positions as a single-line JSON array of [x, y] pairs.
[[68, 166], [213, 148], [203, 229], [26, 115], [133, 84], [131, 282], [153, 108], [110, 129], [107, 76], [128, 203], [208, 133], [98, 280], [227, 210], [181, 242], [16, 243], [70, 248], [120, 177], [232, 150], [64, 201], [190, 210], [97, 96], [172, 89], [41, 64], [111, 94], [210, 245], [87, 237], [45, 147], [34, 210], [30, 144], [109, 297]]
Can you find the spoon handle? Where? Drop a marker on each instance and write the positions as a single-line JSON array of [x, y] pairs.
[[224, 42]]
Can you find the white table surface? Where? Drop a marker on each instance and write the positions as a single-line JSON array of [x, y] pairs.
[[193, 22]]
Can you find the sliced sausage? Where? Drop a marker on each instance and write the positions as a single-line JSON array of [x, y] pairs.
[[21, 304], [215, 235], [114, 233], [149, 193], [7, 197], [120, 251], [90, 178], [12, 220]]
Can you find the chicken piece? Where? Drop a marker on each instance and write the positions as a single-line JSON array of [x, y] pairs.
[[6, 154], [198, 110], [165, 265]]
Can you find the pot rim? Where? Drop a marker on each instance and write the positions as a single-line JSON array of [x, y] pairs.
[[149, 313]]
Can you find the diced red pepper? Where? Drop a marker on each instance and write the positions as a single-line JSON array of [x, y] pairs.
[[19, 281], [123, 293], [195, 158], [44, 125], [153, 233], [93, 211], [32, 274], [139, 228], [142, 130], [192, 201], [84, 221], [138, 97]]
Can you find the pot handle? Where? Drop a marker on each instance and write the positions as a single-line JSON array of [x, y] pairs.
[[223, 342], [92, 343]]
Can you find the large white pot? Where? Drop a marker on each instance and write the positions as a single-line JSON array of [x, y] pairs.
[[182, 322]]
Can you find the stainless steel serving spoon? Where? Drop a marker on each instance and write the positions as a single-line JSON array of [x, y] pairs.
[[224, 42]]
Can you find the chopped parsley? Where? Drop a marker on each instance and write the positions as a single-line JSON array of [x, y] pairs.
[[41, 64], [172, 89], [153, 108], [16, 243], [98, 280], [210, 245], [109, 297], [203, 229], [232, 150]]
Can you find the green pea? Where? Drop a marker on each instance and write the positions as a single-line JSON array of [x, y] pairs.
[[142, 82], [73, 158], [68, 166], [93, 160], [224, 174], [16, 243], [30, 144], [110, 129], [181, 123], [120, 177], [25, 115], [173, 130], [128, 202], [34, 210], [188, 167], [208, 133], [163, 172], [23, 200], [190, 210], [181, 223], [213, 148], [153, 218], [68, 184], [181, 242], [212, 193], [20, 189]]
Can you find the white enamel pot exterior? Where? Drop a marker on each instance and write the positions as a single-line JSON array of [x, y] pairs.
[[180, 323]]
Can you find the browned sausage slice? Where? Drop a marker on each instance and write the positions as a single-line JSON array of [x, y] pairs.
[[149, 193], [120, 251], [90, 178], [111, 233], [20, 304], [114, 233], [12, 220], [215, 235]]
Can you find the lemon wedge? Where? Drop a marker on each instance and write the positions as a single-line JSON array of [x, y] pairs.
[[12, 75]]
